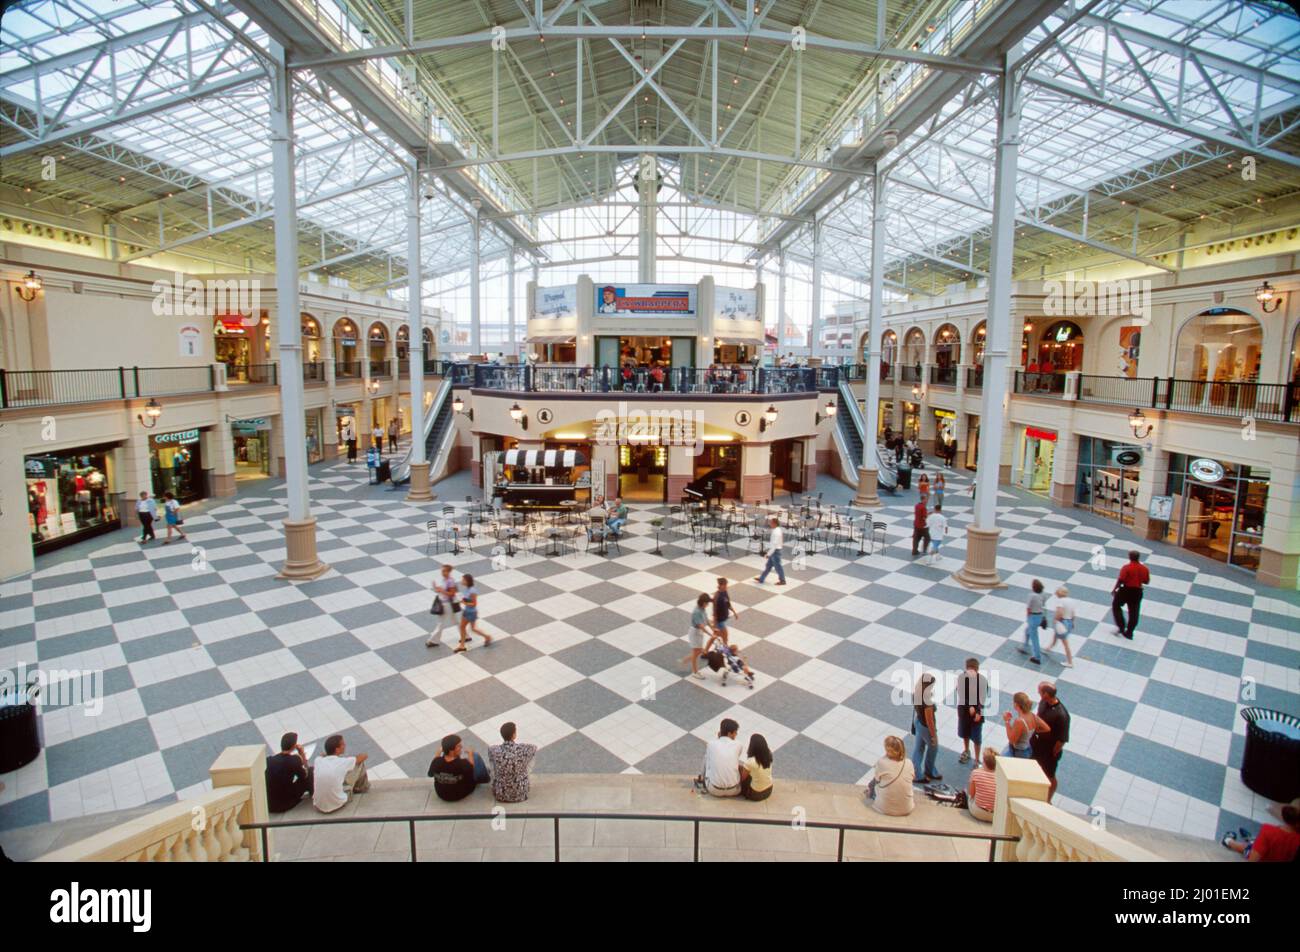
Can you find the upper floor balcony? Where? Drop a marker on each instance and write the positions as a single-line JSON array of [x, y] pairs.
[[694, 381], [1272, 402]]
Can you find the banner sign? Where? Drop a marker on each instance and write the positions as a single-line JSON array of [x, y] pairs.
[[737, 304], [556, 302], [669, 300]]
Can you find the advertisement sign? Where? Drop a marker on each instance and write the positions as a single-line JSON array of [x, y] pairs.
[[556, 302], [1206, 470], [737, 304], [1162, 508], [629, 300], [190, 339]]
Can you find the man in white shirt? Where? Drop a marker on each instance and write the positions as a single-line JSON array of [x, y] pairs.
[[337, 775], [378, 435], [147, 511], [937, 523], [721, 776], [775, 542]]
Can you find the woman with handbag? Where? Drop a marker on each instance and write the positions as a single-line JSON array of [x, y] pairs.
[[890, 790], [445, 605], [1063, 623], [1034, 619]]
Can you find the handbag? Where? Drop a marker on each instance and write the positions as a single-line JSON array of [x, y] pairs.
[[437, 606], [1043, 622]]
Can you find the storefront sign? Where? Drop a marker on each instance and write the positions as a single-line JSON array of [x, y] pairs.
[[1036, 434], [556, 303], [1128, 457], [1206, 470], [666, 300], [1162, 508], [190, 339], [253, 425], [183, 437], [737, 304]]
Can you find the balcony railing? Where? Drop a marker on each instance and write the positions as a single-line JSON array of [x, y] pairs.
[[260, 374], [35, 388], [347, 369], [943, 376], [1273, 402], [692, 380], [1048, 385], [381, 369], [1124, 391], [313, 371], [975, 378], [910, 374]]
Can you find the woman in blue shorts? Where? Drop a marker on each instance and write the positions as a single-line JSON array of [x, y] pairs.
[[469, 612]]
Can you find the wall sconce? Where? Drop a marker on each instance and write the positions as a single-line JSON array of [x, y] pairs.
[[152, 410], [1268, 298], [32, 284], [827, 413], [374, 386], [916, 391], [517, 414], [1029, 327], [458, 406], [1141, 428], [767, 419]]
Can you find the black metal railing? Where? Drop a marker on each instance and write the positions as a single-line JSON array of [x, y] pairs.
[[462, 375], [943, 376], [313, 371], [262, 374], [688, 380], [975, 378], [345, 369], [1045, 385], [910, 374], [381, 369], [35, 388], [1277, 402], [828, 379], [1124, 391], [842, 828]]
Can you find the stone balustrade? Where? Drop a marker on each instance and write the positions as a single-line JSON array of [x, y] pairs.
[[1047, 833], [207, 828]]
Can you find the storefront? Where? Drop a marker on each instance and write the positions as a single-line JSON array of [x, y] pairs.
[[345, 421], [1037, 450], [666, 352], [884, 416], [945, 428], [315, 433], [787, 466], [252, 440], [233, 345], [972, 441], [643, 471], [1106, 480], [725, 458], [70, 496], [541, 479], [911, 420], [176, 464], [1217, 509]]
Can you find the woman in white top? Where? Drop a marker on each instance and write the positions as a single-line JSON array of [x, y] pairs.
[[890, 790], [1063, 623], [444, 598]]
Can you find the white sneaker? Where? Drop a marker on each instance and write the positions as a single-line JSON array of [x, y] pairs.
[[696, 674], [431, 642]]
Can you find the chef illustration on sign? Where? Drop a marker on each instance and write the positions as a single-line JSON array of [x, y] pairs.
[[608, 303]]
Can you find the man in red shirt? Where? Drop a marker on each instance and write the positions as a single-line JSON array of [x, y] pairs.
[[1128, 593], [1273, 844], [920, 530]]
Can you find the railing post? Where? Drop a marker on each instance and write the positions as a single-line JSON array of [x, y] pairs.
[[121, 381], [4, 390], [557, 839], [1288, 398], [1169, 393], [696, 824], [411, 824], [135, 373]]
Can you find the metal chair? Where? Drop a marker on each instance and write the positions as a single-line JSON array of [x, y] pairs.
[[878, 531]]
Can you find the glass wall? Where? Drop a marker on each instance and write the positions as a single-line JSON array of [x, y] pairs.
[[1107, 477], [69, 496], [1218, 508], [175, 461]]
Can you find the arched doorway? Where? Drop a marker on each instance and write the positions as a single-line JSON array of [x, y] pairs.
[[1216, 349], [403, 342], [232, 336], [975, 355], [377, 343], [913, 355], [947, 355], [428, 349], [1295, 355], [1060, 348], [347, 360], [311, 345], [888, 354]]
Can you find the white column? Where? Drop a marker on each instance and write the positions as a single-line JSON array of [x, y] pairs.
[[780, 307], [875, 322], [510, 295], [419, 491], [475, 332], [815, 329], [980, 569], [300, 527], [648, 212]]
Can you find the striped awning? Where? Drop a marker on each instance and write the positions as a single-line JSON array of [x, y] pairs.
[[548, 458], [550, 339]]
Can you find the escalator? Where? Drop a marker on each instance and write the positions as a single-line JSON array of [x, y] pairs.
[[848, 439], [439, 430]]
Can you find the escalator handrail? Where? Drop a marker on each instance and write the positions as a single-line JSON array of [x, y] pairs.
[[855, 412], [402, 469]]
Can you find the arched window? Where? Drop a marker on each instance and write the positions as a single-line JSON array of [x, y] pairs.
[[1222, 344], [1061, 347], [347, 348], [947, 346], [377, 340], [403, 341], [310, 329], [1295, 355], [976, 348], [427, 334], [888, 354]]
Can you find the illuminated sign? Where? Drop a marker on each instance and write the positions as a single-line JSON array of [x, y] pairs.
[[181, 438], [1206, 470]]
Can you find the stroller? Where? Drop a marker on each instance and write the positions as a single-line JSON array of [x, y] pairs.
[[725, 659]]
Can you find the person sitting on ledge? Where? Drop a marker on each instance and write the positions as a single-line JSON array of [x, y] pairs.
[[510, 764], [890, 790], [982, 792], [455, 776], [756, 772], [1272, 844], [288, 778], [721, 776], [336, 775]]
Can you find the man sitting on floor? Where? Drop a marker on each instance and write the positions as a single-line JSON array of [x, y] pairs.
[[337, 776], [288, 778], [510, 764], [722, 758], [455, 776]]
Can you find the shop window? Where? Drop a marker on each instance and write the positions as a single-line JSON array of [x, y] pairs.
[[947, 346], [1219, 345], [1060, 348], [69, 497]]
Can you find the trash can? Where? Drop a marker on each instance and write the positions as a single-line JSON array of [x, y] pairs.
[[1270, 764], [383, 473], [904, 476], [20, 732]]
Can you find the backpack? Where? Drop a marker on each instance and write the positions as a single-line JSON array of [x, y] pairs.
[[715, 660]]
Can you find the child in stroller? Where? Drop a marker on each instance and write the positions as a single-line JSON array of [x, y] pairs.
[[722, 657]]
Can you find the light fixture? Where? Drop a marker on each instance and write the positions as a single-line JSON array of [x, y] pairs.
[[768, 418], [916, 391], [827, 413], [517, 414], [30, 286], [1029, 327], [152, 410], [1268, 298], [1138, 421], [374, 386], [458, 406]]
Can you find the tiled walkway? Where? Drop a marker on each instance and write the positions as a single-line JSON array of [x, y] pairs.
[[203, 650]]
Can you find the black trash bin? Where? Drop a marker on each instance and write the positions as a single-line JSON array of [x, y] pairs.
[[20, 731], [904, 476], [1270, 764], [384, 472]]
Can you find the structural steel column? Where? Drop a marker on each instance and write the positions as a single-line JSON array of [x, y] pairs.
[[510, 296], [301, 561], [648, 214], [419, 491], [475, 333], [980, 570], [816, 325], [780, 306], [868, 474]]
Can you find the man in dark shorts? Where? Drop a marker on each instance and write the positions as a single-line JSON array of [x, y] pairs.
[[972, 693], [1047, 745]]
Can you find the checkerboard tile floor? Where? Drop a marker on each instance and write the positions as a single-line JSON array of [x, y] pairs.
[[202, 646]]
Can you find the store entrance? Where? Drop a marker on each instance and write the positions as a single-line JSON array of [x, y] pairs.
[[787, 467], [1037, 454], [236, 354], [1218, 509], [643, 472]]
